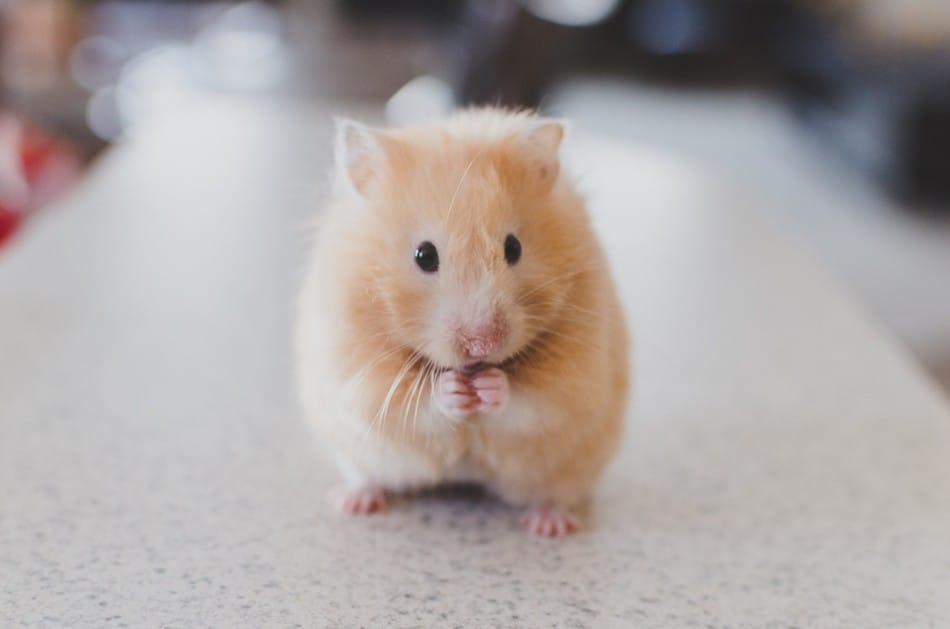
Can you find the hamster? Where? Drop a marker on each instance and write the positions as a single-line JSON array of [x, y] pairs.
[[458, 321]]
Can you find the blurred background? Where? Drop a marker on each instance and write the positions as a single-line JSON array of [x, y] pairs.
[[835, 114]]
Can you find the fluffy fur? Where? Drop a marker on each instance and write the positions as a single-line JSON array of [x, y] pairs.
[[378, 340]]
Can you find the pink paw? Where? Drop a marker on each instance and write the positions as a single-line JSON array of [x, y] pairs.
[[491, 387], [548, 521], [360, 501], [454, 395]]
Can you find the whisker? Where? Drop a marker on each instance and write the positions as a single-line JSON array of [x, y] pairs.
[[426, 369], [384, 407], [407, 403], [563, 277], [448, 213], [362, 374]]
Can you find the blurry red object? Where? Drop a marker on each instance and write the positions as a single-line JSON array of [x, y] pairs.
[[9, 220], [35, 167]]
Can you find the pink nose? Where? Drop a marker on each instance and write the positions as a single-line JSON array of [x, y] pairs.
[[482, 341]]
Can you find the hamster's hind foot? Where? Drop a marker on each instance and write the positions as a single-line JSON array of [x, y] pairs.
[[546, 520], [359, 500]]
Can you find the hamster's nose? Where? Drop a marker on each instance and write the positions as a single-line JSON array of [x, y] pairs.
[[481, 341]]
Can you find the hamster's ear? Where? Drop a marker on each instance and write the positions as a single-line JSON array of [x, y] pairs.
[[360, 155], [543, 139]]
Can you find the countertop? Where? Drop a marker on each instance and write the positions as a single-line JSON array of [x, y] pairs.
[[786, 463]]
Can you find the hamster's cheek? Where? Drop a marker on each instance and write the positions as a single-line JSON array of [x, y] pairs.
[[433, 340], [520, 324], [409, 304], [542, 304]]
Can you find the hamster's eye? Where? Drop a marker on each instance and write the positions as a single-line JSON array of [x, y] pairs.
[[512, 249], [427, 257]]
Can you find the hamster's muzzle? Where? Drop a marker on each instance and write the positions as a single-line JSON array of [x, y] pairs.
[[481, 341]]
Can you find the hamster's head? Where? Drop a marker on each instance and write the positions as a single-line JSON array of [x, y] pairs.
[[465, 241]]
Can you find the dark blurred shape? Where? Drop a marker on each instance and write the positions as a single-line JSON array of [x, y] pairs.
[[512, 54], [434, 11], [927, 145], [509, 56], [887, 112], [671, 26]]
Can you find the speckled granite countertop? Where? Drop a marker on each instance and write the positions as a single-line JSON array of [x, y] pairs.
[[786, 464]]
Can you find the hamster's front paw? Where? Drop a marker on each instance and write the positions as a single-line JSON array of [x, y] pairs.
[[491, 387], [454, 395]]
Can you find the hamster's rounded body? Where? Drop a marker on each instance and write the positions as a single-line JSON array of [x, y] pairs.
[[489, 362]]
